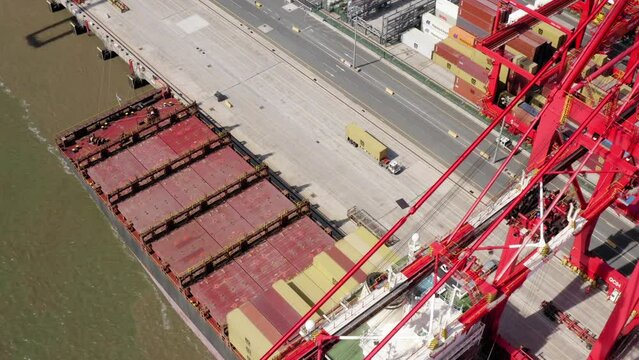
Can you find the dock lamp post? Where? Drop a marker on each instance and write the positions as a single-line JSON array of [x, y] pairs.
[[355, 21]]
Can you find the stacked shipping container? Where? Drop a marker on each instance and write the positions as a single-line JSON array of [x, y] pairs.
[[456, 53], [477, 16], [259, 322], [475, 20]]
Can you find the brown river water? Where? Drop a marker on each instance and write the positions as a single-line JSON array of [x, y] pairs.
[[69, 289]]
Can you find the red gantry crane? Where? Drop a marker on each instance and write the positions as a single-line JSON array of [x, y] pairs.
[[567, 133]]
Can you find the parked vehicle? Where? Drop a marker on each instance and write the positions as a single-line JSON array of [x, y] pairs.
[[489, 266], [361, 138]]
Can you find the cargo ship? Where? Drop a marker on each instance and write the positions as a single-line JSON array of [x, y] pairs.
[[222, 235]]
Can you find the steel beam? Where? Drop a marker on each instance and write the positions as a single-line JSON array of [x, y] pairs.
[[625, 312]]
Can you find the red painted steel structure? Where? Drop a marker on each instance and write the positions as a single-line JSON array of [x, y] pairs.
[[614, 119]]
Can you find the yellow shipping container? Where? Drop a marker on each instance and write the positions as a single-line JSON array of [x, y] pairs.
[[590, 68], [331, 269], [538, 100], [600, 59], [361, 138], [528, 65], [592, 95], [475, 55], [444, 63], [504, 71], [386, 254], [291, 297], [334, 272], [624, 91], [311, 285], [551, 33], [520, 60], [462, 35], [250, 332], [512, 50], [353, 254]]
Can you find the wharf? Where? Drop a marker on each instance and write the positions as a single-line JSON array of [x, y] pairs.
[[289, 116]]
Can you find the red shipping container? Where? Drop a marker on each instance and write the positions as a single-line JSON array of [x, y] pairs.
[[469, 16], [275, 309], [468, 92], [492, 4], [473, 29], [448, 53], [485, 5], [479, 12], [516, 83], [544, 47], [522, 116], [473, 69], [524, 47], [463, 62], [535, 38]]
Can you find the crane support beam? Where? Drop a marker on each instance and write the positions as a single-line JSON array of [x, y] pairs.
[[507, 33], [539, 16], [625, 312], [568, 132], [549, 165], [405, 218]]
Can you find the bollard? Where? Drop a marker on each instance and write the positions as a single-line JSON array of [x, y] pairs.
[[54, 6]]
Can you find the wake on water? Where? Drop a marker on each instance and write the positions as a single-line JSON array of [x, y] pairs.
[[31, 126]]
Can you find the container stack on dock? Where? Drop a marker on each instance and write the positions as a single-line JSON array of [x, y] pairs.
[[469, 65], [228, 241], [433, 30], [458, 53], [477, 16]]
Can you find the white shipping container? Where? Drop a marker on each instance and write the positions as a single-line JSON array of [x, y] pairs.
[[518, 14], [421, 42], [435, 26], [446, 11]]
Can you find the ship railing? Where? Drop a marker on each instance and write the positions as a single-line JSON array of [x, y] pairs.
[[164, 170], [140, 133], [244, 243], [200, 206]]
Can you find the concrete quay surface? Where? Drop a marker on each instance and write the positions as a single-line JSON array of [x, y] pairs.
[[295, 118], [284, 112], [415, 111]]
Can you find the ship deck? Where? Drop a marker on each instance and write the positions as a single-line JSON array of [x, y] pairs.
[[218, 224]]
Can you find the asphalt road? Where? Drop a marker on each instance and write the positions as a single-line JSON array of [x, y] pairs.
[[414, 110]]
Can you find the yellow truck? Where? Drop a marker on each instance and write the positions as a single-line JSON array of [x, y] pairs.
[[361, 138]]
